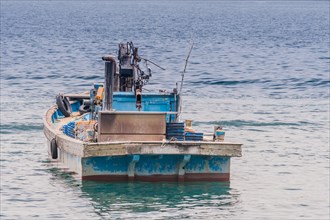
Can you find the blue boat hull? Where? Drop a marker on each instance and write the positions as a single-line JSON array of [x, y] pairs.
[[156, 168]]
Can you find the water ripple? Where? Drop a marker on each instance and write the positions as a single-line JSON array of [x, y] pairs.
[[14, 127], [243, 123]]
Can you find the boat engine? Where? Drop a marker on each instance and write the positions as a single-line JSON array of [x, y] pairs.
[[130, 76]]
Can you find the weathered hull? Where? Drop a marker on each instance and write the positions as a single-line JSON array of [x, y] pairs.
[[220, 177], [157, 168], [145, 161]]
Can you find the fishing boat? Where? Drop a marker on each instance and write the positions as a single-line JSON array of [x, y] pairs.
[[118, 131]]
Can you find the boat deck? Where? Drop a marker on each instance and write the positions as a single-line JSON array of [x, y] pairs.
[[91, 149]]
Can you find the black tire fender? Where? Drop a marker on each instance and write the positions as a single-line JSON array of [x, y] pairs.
[[84, 109], [64, 105], [53, 149]]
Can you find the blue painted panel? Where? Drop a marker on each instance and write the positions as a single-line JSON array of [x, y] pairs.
[[125, 101], [154, 165], [75, 106], [209, 164], [116, 165], [218, 163], [158, 164], [196, 164]]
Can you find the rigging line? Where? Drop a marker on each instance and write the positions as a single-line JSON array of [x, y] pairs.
[[152, 63]]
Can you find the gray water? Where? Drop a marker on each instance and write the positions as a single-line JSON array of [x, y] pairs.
[[259, 68]]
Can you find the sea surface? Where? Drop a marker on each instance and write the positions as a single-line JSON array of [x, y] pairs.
[[259, 68]]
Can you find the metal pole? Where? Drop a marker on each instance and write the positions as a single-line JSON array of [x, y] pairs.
[[110, 66]]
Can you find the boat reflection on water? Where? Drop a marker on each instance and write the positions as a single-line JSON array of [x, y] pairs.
[[155, 200], [134, 199]]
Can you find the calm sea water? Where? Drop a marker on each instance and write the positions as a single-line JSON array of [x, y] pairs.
[[259, 68]]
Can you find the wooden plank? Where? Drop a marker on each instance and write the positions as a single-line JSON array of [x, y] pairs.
[[226, 150], [133, 137], [202, 148], [78, 96]]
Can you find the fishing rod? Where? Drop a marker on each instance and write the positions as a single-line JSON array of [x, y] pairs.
[[182, 75], [185, 66]]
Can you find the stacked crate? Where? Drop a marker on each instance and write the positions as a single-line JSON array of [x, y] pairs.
[[189, 136], [175, 131]]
